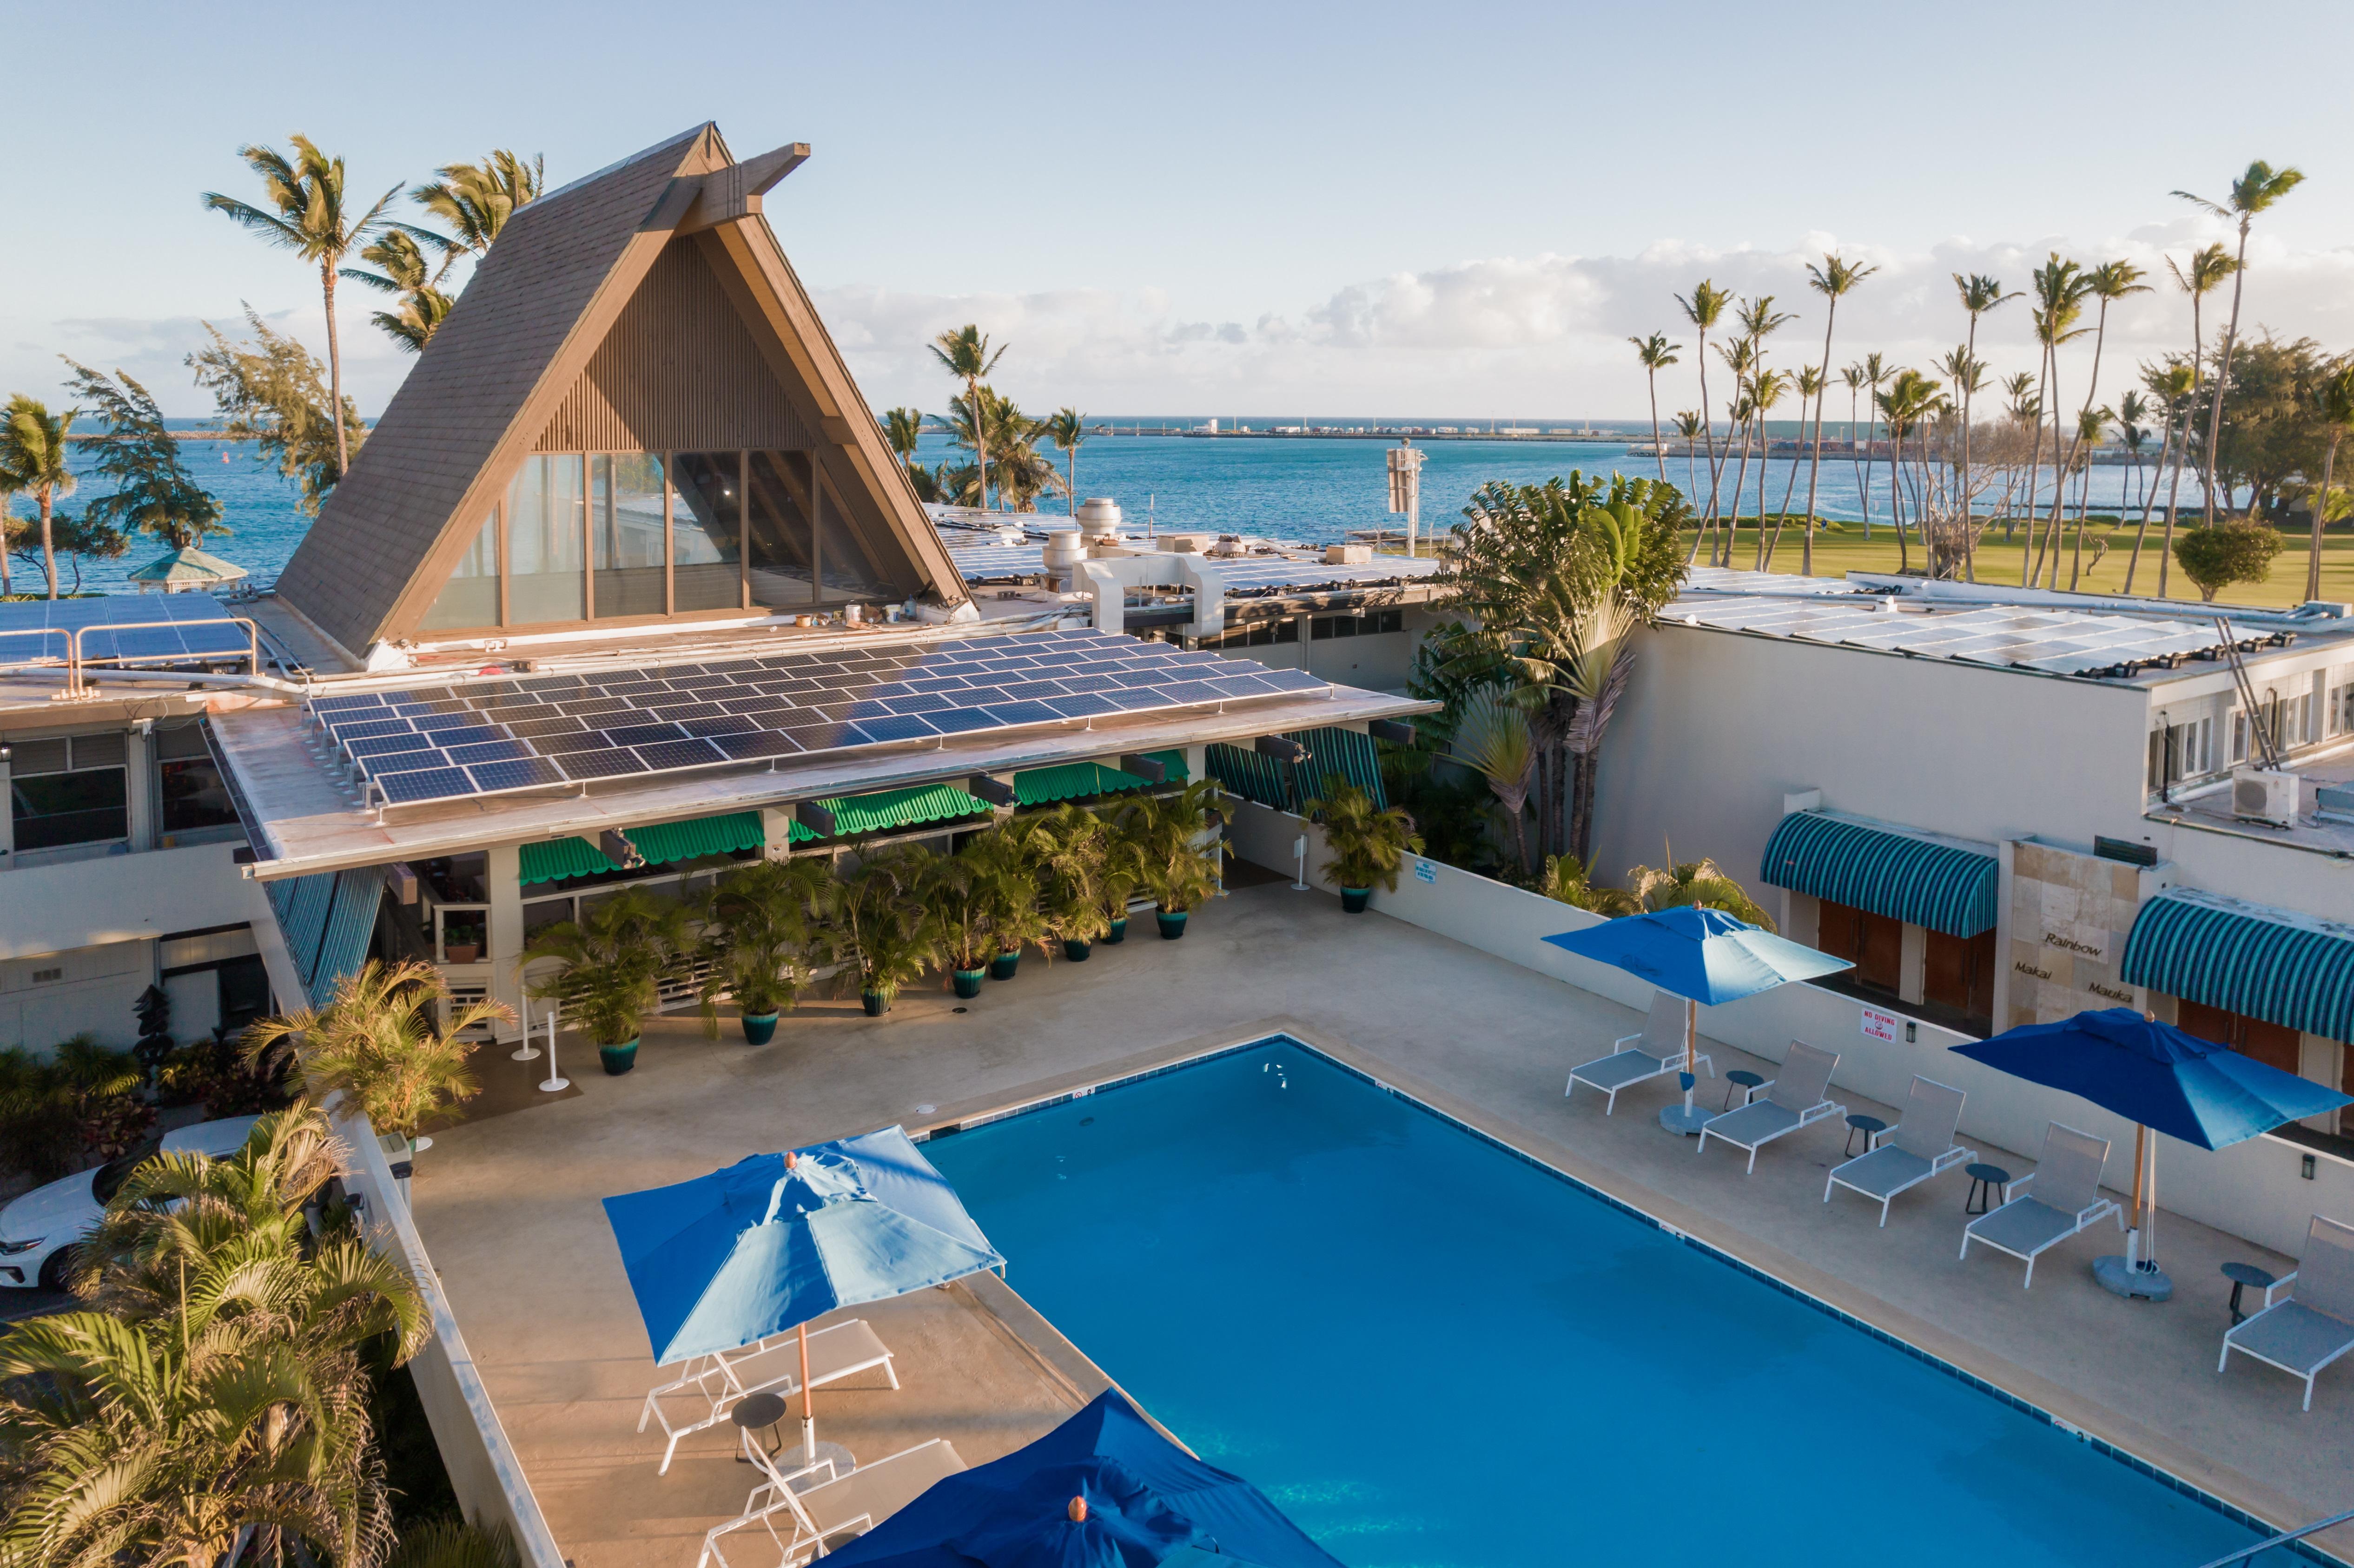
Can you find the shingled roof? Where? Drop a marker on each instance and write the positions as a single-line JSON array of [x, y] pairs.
[[536, 310]]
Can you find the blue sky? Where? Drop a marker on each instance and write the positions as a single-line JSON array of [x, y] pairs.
[[1257, 209]]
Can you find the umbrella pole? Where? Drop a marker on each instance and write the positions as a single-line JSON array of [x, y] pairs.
[[809, 1404], [1692, 1050], [2141, 1164]]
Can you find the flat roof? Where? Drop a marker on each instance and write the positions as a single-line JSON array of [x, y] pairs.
[[1268, 574], [2210, 806]]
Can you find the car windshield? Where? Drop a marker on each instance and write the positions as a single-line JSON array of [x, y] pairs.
[[110, 1177]]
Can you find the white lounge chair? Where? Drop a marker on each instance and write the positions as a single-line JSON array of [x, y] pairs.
[[800, 1524], [709, 1388], [1918, 1148], [1792, 1099], [1658, 1049], [2067, 1199], [2303, 1330]]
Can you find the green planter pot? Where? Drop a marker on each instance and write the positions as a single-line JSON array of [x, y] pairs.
[[759, 1028], [1172, 925], [1002, 966], [1355, 899], [876, 1003], [618, 1059], [1074, 951], [968, 982], [1117, 934]]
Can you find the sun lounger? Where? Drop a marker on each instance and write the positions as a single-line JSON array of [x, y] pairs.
[[701, 1396], [1909, 1153], [1792, 1099], [2303, 1330], [1658, 1049], [800, 1524], [2067, 1199]]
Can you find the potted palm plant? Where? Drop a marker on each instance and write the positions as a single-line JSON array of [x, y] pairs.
[[1007, 858], [384, 1043], [1367, 842], [1122, 866], [756, 938], [1074, 848], [878, 927], [958, 893], [612, 959], [1175, 860]]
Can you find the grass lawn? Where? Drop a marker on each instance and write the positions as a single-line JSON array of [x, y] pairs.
[[1840, 547]]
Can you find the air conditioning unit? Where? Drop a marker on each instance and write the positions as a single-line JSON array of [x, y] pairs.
[[2262, 795]]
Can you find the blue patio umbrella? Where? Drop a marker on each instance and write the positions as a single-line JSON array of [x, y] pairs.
[[1102, 1490], [776, 1240], [2159, 1078], [1703, 956]]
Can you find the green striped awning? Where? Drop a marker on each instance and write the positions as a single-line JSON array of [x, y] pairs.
[[1072, 781], [1255, 778], [662, 843], [2275, 964], [907, 808], [1347, 752], [1920, 880]]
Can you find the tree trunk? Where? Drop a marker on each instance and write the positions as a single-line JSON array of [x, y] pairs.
[[1707, 427], [2173, 494], [980, 434], [336, 372], [1895, 508], [2149, 497], [2320, 517], [2224, 372], [2035, 471], [1815, 467], [47, 496], [1657, 452], [1969, 502], [1739, 477], [2084, 481]]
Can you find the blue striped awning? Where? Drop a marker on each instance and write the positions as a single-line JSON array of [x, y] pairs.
[[2273, 964], [1288, 786], [1920, 880]]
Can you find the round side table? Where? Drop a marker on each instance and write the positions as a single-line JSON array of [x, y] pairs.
[[1871, 1126], [1745, 1079], [1986, 1181], [2242, 1276], [753, 1412]]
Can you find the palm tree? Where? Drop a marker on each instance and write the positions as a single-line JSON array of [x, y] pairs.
[[901, 428], [1852, 379], [2090, 423], [2335, 399], [33, 457], [1068, 428], [310, 220], [1875, 372], [965, 355], [1492, 738], [1811, 389], [1564, 880], [1765, 389], [404, 271], [1979, 294], [476, 199], [1703, 310], [383, 1042], [1911, 399], [2253, 191], [1689, 425], [2210, 265], [2132, 409], [2175, 386], [2060, 290], [2108, 282], [1833, 279], [877, 926], [1656, 354], [1966, 375]]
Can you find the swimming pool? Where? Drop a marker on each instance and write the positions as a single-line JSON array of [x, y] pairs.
[[1430, 1351]]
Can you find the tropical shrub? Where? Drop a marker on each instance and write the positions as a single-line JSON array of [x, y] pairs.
[[1074, 849], [1368, 843], [1006, 858], [1698, 883], [76, 1108], [612, 959], [382, 1044], [878, 928], [456, 1543], [756, 931], [1163, 834], [960, 894], [2236, 552], [1564, 881]]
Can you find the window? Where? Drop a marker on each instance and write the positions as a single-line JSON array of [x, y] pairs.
[[2179, 751], [542, 913], [69, 792], [781, 562], [188, 784], [1259, 634], [471, 596], [1368, 625], [707, 531], [631, 575], [2341, 709], [545, 527]]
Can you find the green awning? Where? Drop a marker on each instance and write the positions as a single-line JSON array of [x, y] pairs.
[[662, 843], [1288, 786], [1942, 886], [2275, 964], [1072, 781], [907, 808]]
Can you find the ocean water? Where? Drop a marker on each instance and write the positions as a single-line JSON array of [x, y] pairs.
[[1314, 490], [1431, 1354]]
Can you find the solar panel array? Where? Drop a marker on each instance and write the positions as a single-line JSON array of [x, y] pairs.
[[2063, 642], [1243, 574], [998, 563], [36, 629], [490, 737]]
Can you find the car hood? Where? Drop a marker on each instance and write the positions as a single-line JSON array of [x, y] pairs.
[[41, 1210]]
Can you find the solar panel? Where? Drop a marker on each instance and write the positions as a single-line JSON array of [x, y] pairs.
[[605, 762], [426, 784]]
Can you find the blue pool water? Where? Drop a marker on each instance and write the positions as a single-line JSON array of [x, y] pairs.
[[1429, 1351]]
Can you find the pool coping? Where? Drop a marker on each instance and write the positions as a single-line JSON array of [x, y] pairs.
[[1467, 1119]]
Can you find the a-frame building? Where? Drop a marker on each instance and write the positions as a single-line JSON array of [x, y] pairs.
[[632, 417]]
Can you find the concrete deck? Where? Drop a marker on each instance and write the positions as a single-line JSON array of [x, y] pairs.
[[508, 1208]]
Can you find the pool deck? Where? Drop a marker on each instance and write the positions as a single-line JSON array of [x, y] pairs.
[[508, 1208]]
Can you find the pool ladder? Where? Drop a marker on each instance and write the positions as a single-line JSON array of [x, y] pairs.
[[2246, 1552]]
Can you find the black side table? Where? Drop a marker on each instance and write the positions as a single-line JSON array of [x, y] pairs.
[[1746, 1079], [1986, 1181], [2242, 1276], [1871, 1126], [755, 1411]]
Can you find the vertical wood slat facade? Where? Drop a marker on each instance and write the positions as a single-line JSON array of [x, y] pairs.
[[678, 371]]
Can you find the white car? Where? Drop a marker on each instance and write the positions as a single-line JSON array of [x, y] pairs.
[[37, 1231]]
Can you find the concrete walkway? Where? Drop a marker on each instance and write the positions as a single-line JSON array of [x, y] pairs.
[[508, 1208]]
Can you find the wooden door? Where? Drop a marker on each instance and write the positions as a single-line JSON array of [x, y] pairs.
[[1881, 964], [1959, 974]]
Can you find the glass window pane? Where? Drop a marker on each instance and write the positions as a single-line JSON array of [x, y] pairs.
[[779, 565], [706, 511], [55, 809], [543, 542], [471, 598], [849, 570], [625, 506], [193, 796]]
